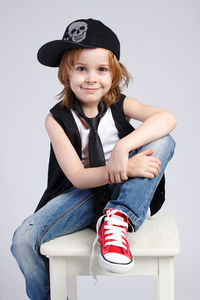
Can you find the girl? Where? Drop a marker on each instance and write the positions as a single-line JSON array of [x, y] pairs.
[[101, 170]]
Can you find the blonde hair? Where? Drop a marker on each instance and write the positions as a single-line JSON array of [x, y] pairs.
[[120, 75]]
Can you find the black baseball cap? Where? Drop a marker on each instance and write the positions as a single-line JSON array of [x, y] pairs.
[[80, 34]]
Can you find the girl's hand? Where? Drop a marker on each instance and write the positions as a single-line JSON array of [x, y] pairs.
[[117, 165], [143, 165]]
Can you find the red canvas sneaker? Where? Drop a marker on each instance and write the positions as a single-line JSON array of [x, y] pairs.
[[115, 255]]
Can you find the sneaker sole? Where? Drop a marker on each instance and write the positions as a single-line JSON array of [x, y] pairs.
[[114, 267]]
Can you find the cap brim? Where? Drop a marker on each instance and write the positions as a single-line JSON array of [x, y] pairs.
[[50, 54]]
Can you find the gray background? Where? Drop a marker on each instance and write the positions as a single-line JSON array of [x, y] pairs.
[[160, 47]]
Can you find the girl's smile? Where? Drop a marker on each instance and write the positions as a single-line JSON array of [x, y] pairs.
[[91, 76], [90, 89]]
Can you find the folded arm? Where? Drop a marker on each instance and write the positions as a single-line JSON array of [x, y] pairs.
[[69, 160], [156, 122]]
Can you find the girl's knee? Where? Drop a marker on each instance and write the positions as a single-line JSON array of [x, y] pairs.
[[23, 240], [164, 142], [168, 141], [169, 144], [162, 146], [24, 250]]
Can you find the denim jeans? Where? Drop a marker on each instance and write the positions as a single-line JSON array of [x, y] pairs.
[[73, 211]]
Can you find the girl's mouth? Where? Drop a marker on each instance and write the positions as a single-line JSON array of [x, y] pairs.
[[90, 89]]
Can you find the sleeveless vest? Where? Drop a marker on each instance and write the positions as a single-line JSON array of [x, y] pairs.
[[58, 183]]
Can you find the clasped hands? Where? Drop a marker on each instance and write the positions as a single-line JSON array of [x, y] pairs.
[[120, 166]]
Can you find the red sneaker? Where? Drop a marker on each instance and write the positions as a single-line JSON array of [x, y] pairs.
[[115, 254]]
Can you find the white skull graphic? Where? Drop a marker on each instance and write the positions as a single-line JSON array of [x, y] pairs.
[[77, 31]]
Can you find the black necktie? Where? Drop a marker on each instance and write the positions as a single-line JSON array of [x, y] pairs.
[[96, 154]]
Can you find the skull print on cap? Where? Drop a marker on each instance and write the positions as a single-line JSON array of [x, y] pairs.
[[77, 31]]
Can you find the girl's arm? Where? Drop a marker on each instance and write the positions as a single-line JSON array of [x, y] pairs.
[[69, 161], [157, 122]]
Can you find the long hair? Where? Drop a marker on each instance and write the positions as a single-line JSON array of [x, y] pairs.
[[120, 78]]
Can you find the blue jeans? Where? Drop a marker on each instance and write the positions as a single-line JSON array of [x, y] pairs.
[[73, 211]]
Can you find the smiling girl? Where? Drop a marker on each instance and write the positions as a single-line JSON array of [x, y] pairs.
[[102, 171]]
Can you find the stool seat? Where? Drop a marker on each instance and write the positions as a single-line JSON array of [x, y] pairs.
[[154, 246], [158, 236]]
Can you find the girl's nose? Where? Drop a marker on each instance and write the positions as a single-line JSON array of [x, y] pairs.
[[91, 77]]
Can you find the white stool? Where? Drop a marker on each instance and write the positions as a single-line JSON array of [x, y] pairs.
[[154, 246]]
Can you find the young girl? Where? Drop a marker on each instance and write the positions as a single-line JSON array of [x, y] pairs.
[[101, 170]]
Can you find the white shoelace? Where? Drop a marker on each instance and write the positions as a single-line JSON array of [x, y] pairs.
[[116, 233]]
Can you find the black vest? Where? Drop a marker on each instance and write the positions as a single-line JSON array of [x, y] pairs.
[[57, 181]]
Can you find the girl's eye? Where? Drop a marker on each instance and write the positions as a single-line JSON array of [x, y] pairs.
[[103, 69], [80, 68]]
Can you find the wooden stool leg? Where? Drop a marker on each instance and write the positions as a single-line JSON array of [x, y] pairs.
[[71, 287], [58, 287], [165, 279]]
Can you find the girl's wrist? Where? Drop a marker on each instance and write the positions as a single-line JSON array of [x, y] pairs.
[[122, 146]]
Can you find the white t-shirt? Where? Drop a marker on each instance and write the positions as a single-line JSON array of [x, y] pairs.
[[107, 132]]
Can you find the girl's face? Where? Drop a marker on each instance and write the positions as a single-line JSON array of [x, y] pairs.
[[91, 78]]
